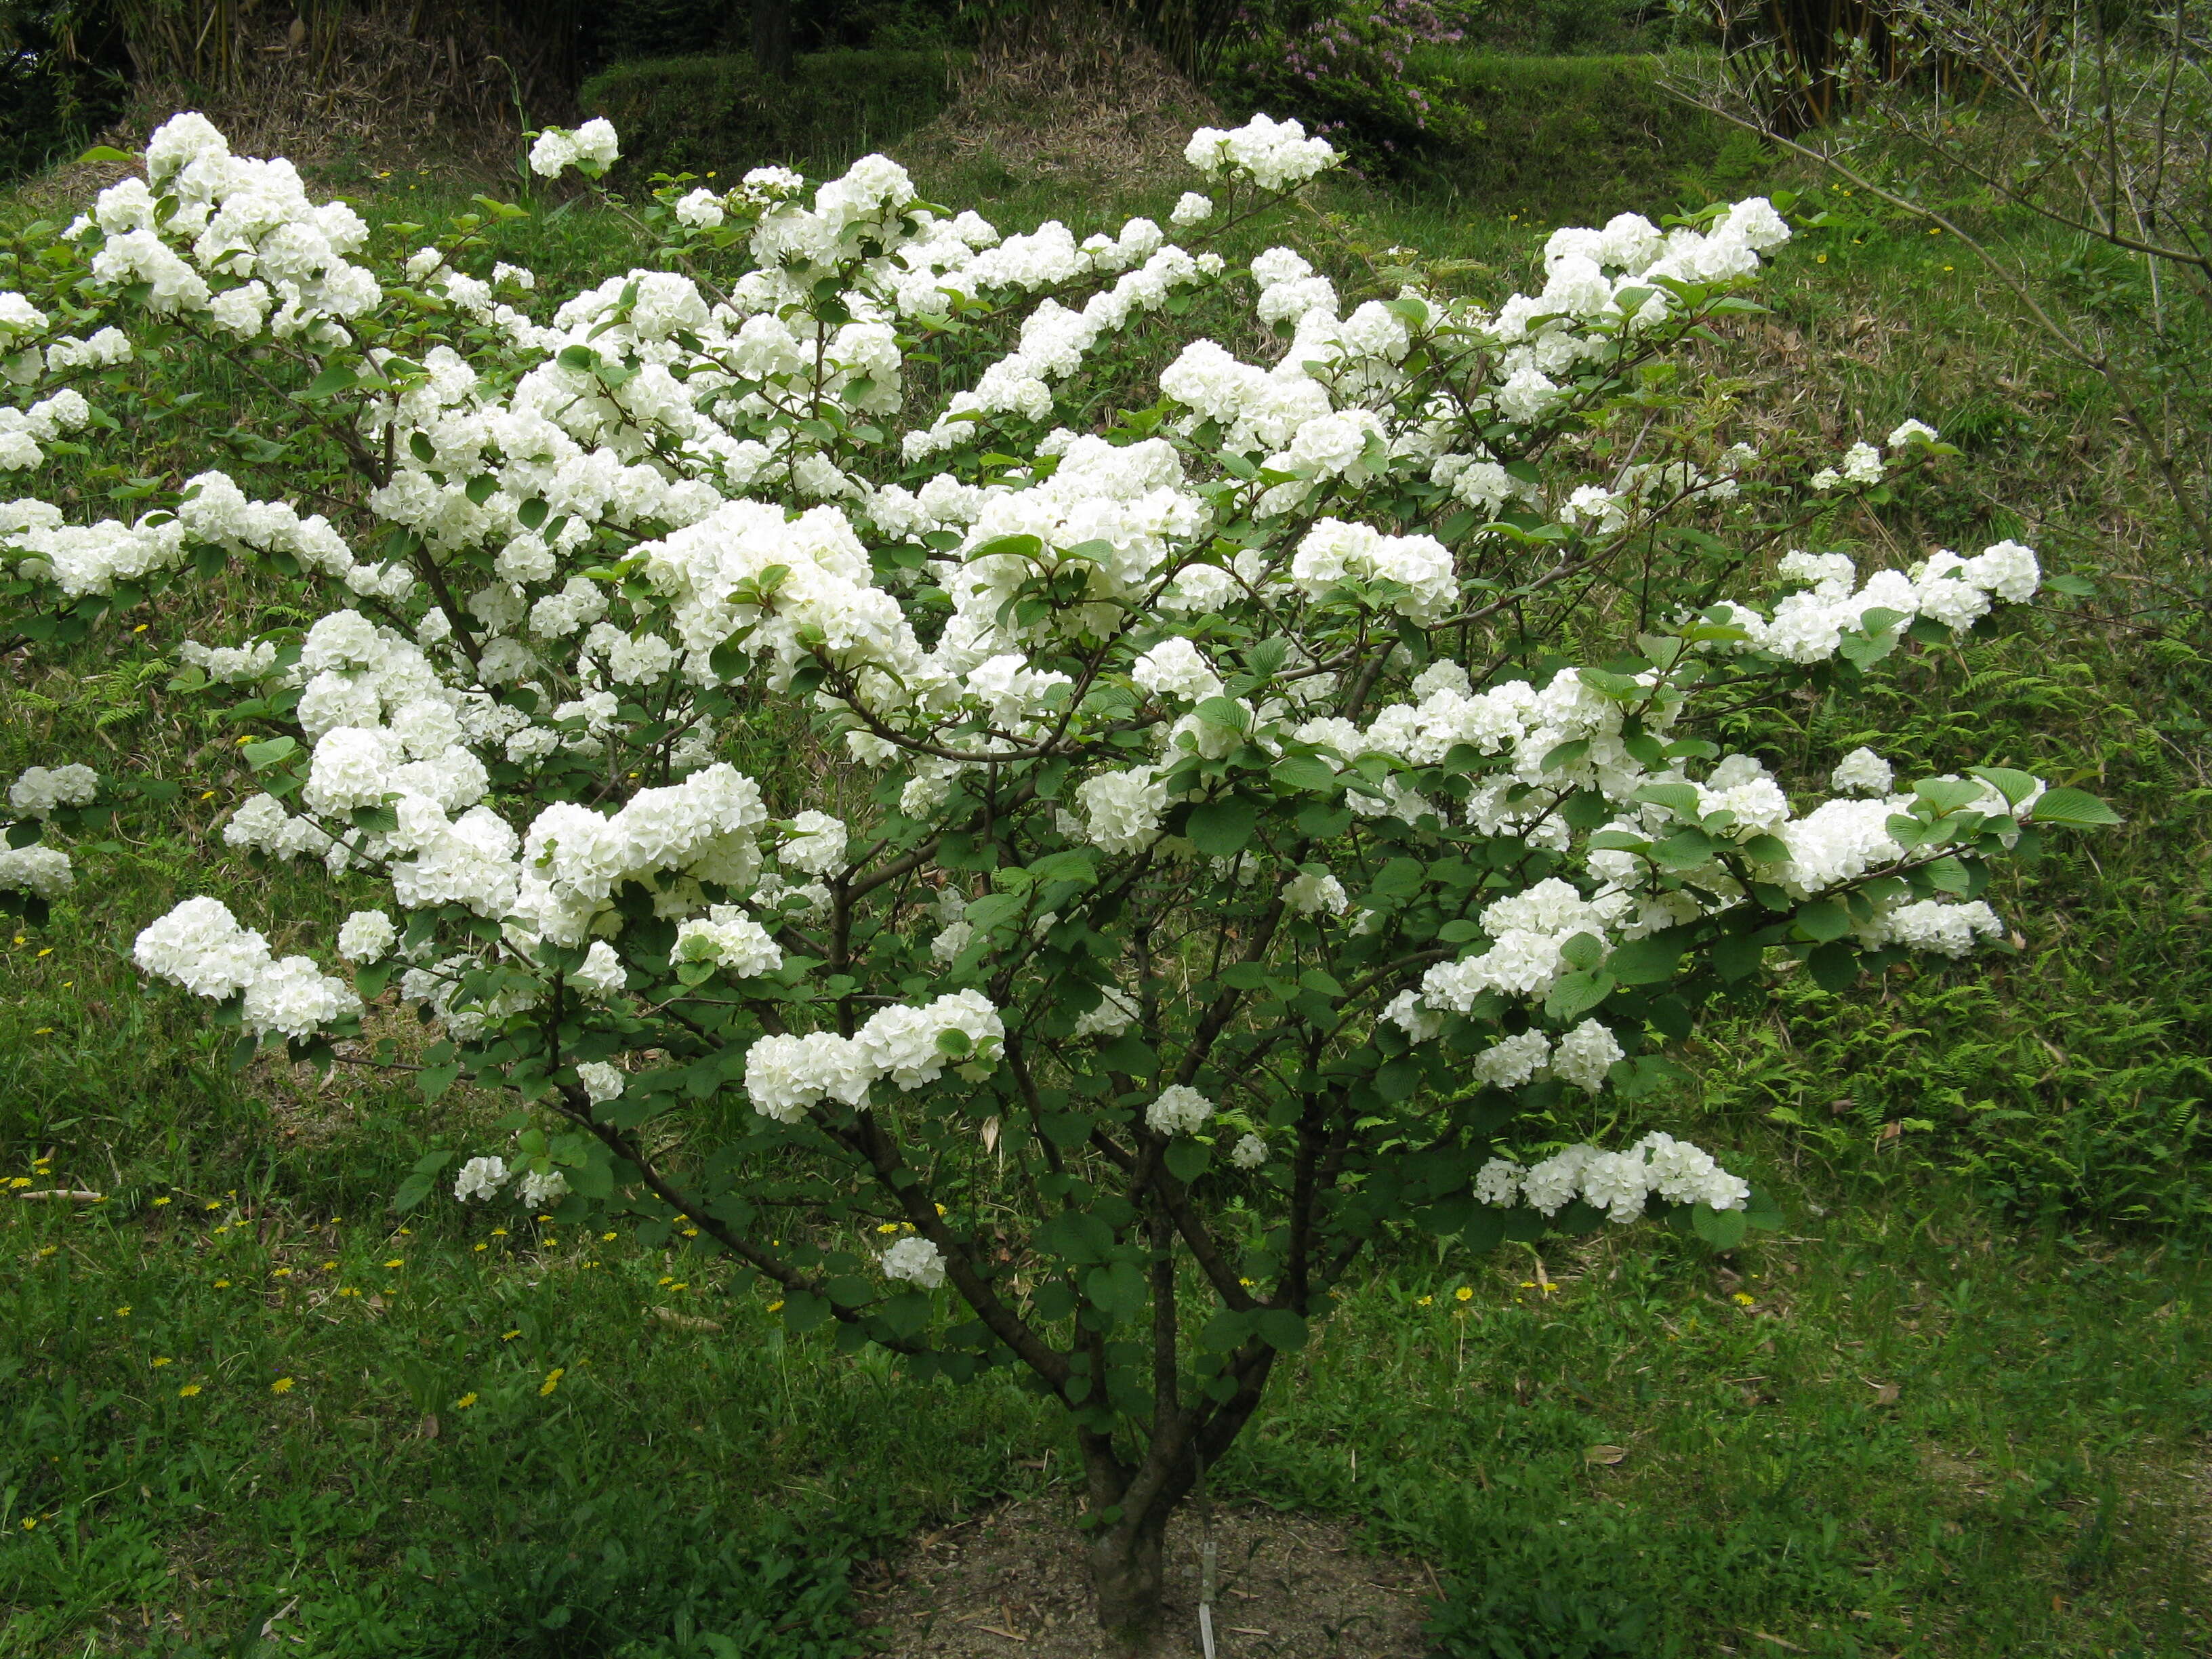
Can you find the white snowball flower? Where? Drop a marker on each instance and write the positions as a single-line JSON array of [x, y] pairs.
[[701, 210], [1585, 1054], [1248, 1153], [1180, 1110], [1312, 895], [817, 844], [601, 1081], [42, 871], [480, 1177], [1862, 771], [366, 936], [537, 1191], [916, 1261], [41, 791], [1192, 209]]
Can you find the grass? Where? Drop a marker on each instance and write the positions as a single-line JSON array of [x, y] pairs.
[[1956, 1411]]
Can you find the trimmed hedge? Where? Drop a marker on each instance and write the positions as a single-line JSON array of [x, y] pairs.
[[697, 114]]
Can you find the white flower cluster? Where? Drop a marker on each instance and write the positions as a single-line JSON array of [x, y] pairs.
[[42, 871], [200, 946], [907, 1046], [917, 1261], [728, 936], [41, 791], [1618, 1183], [1273, 154], [1180, 1110], [592, 149], [482, 1177]]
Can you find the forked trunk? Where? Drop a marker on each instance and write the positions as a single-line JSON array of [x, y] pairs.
[[1126, 1577]]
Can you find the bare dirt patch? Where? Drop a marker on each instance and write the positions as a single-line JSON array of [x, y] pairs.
[[1286, 1587], [1072, 99]]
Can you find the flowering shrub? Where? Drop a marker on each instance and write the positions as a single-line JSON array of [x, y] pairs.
[[1348, 65], [1266, 814]]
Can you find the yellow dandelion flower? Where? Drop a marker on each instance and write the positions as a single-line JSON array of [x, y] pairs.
[[206, 794], [212, 1203], [552, 1381], [484, 1247], [665, 1279], [19, 1181], [499, 1233], [1463, 1294], [465, 1402], [281, 1385], [888, 1227], [1743, 1301], [606, 1238], [397, 1260], [508, 1336], [678, 1285], [162, 1360], [775, 1307], [123, 1312], [159, 1202], [30, 1521], [188, 1390], [1425, 1300], [223, 1283], [691, 1232]]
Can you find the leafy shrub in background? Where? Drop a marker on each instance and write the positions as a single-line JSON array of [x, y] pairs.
[[716, 113], [1347, 68], [64, 74]]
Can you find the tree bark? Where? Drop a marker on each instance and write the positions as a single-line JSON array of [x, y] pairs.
[[1126, 1577], [771, 38]]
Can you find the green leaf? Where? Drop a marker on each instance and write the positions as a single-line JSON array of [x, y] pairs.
[[1306, 772], [1824, 920], [1647, 961], [2015, 786], [1583, 952], [481, 489], [1722, 1229], [803, 1311], [262, 756], [1280, 1329], [107, 153], [1576, 994], [2072, 806], [1566, 755], [338, 377], [1834, 967], [1075, 1236], [1186, 1159], [1485, 1231], [1220, 829], [1117, 1288], [532, 512]]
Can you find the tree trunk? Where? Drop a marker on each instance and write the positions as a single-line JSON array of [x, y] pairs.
[[1126, 1577], [772, 39]]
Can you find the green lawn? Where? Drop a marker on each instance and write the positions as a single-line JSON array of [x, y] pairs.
[[1958, 1409]]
